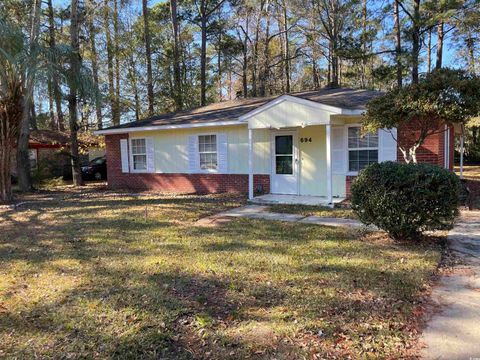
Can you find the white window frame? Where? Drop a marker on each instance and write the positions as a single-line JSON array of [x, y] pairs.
[[130, 150], [216, 170], [347, 148]]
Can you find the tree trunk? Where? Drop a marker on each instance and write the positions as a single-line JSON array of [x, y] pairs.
[[23, 159], [255, 50], [429, 51], [133, 78], [287, 49], [219, 66], [9, 119], [470, 43], [329, 63], [57, 95], [264, 73], [148, 55], [72, 97], [33, 116], [334, 42], [177, 75], [203, 56], [51, 110], [245, 64], [111, 86], [116, 39], [363, 80], [440, 36], [415, 40], [230, 85], [398, 43], [93, 49]]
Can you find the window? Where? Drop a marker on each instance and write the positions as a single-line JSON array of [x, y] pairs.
[[139, 154], [284, 154], [207, 148], [362, 151]]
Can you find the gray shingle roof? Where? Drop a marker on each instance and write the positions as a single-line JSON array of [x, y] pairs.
[[232, 110]]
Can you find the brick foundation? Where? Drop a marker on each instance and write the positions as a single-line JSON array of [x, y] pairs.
[[175, 183], [348, 185], [188, 183]]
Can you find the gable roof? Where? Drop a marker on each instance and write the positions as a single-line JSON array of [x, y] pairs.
[[48, 137], [229, 111]]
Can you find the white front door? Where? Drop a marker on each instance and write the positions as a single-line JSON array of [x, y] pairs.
[[284, 177]]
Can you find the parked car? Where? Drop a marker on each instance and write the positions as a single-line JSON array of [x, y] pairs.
[[95, 170]]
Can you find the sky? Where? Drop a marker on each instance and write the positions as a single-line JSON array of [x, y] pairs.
[[449, 52]]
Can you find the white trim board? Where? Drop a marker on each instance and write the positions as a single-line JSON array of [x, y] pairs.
[[167, 127]]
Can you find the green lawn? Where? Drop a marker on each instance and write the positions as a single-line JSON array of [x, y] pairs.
[[100, 277]]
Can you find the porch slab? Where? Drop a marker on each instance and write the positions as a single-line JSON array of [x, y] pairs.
[[270, 199]]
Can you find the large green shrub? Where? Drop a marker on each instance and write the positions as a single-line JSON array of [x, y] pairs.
[[406, 199]]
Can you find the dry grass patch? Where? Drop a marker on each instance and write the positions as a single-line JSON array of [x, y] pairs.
[[92, 277], [469, 171], [312, 210]]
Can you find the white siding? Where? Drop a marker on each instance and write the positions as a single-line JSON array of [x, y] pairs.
[[172, 148]]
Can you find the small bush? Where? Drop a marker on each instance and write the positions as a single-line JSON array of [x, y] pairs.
[[406, 199]]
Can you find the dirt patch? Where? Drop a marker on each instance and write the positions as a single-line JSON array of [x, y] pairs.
[[213, 221]]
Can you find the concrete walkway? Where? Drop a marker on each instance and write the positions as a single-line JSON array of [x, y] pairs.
[[261, 212], [454, 332]]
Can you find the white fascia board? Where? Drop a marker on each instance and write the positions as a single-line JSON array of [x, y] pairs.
[[167, 127]]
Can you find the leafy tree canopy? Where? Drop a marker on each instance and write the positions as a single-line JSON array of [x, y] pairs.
[[445, 96]]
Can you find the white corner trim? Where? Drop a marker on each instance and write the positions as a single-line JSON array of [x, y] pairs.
[[305, 102], [167, 127]]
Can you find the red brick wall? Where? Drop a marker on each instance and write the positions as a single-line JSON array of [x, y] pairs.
[[432, 151], [348, 184], [175, 183]]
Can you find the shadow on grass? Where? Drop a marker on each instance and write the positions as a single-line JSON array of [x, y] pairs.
[[163, 289]]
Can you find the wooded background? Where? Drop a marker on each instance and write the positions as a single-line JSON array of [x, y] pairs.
[[143, 59]]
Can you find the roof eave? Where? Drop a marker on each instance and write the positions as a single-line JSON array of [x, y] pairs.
[[167, 127]]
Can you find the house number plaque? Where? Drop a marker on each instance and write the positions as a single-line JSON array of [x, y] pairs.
[[304, 140]]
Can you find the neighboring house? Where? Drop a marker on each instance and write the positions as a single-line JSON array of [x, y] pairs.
[[49, 153], [305, 143], [45, 152]]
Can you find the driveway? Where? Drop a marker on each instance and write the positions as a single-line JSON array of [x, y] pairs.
[[454, 331]]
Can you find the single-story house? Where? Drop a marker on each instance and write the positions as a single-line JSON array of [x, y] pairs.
[[306, 143], [49, 153], [45, 152]]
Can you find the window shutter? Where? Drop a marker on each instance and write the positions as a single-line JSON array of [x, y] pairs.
[[338, 150], [193, 155], [150, 147], [222, 153], [124, 155], [387, 145]]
